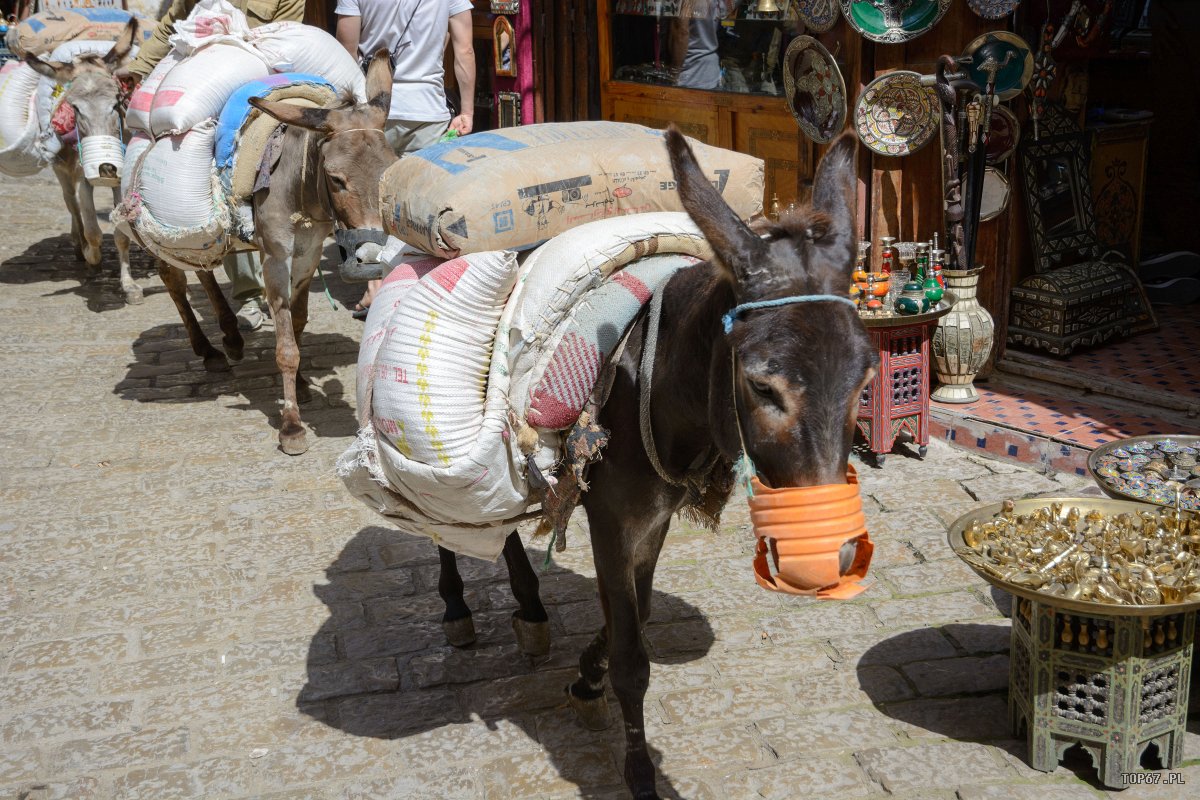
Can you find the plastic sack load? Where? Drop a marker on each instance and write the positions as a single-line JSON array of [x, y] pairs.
[[517, 187], [42, 32], [296, 47], [173, 204], [197, 88], [137, 116], [18, 120]]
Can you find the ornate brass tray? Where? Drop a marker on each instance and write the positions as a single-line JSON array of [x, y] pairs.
[[894, 320], [1084, 504], [1121, 474]]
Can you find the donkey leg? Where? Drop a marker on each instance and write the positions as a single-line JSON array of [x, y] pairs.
[[175, 280], [293, 439], [299, 323], [66, 182], [530, 622], [306, 255], [586, 695], [92, 236], [456, 622], [623, 554], [133, 292], [231, 337]]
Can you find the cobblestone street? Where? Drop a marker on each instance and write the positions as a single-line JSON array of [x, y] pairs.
[[186, 612]]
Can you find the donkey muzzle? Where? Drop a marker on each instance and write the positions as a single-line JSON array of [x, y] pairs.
[[102, 158], [360, 248]]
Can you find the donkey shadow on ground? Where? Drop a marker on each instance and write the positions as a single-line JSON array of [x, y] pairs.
[[380, 666], [54, 260], [961, 675]]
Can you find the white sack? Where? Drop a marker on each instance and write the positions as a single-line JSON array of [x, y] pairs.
[[137, 116], [197, 88], [26, 141], [295, 47], [209, 21]]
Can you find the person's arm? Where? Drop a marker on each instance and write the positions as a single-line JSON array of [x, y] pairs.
[[464, 71], [348, 31], [285, 11], [157, 46]]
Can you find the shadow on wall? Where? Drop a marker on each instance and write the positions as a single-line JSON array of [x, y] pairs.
[[395, 677]]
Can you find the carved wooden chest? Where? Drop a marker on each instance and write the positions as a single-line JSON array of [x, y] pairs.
[[1083, 304]]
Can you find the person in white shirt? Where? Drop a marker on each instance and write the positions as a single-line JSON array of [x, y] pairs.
[[415, 32]]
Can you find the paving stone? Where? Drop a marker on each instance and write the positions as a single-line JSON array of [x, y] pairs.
[[215, 777], [971, 719], [837, 688], [1011, 791], [801, 734], [341, 679], [459, 784], [901, 647], [525, 777], [937, 576], [934, 609], [122, 749], [389, 714], [958, 675], [820, 620], [899, 769], [994, 488], [721, 747], [807, 777], [61, 720]]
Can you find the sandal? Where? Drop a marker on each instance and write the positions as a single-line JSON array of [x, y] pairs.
[[361, 312]]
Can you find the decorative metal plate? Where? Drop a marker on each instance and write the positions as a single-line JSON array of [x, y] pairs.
[[1084, 504], [893, 21], [993, 9], [1012, 56], [892, 320], [814, 89], [817, 15], [995, 194], [1119, 468], [895, 115], [1004, 134], [505, 6]]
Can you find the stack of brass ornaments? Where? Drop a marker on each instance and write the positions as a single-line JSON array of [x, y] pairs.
[[1082, 552]]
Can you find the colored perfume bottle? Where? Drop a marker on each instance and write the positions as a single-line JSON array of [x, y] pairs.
[[911, 300], [938, 263], [887, 254]]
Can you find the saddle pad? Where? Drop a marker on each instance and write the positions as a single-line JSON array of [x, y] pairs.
[[583, 342], [243, 131]]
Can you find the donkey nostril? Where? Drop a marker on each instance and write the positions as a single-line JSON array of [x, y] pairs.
[[108, 171]]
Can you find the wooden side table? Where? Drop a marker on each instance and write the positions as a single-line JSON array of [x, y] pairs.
[[897, 400]]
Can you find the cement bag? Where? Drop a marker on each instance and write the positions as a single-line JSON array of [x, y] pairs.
[[137, 116], [174, 205], [41, 33], [517, 187], [200, 84], [296, 47], [138, 143]]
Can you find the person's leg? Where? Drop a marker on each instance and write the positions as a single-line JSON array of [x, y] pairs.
[[245, 274]]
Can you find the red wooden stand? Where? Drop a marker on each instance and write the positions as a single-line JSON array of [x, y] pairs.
[[898, 398]]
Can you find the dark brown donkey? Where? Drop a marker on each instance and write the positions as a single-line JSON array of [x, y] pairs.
[[788, 375], [328, 171]]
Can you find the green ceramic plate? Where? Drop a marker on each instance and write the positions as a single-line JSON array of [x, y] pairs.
[[1011, 78], [893, 21]]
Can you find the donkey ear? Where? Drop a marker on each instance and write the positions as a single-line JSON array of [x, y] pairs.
[[314, 119], [736, 246], [835, 187], [118, 56], [54, 70], [379, 81]]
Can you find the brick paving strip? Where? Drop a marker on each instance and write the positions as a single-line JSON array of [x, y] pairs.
[[187, 613]]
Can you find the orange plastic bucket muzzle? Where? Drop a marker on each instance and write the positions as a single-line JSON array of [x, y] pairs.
[[800, 533]]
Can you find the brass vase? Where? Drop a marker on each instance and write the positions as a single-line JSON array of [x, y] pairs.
[[962, 340]]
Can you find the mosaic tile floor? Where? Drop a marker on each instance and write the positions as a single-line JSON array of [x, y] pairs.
[[1162, 360]]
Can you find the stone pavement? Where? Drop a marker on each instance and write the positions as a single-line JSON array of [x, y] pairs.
[[185, 612]]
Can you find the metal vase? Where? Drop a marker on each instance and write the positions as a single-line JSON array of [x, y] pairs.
[[962, 340]]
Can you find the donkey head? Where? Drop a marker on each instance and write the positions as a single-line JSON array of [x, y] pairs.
[[799, 367], [353, 150], [95, 97]]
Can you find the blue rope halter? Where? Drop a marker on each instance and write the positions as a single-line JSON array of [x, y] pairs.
[[737, 311]]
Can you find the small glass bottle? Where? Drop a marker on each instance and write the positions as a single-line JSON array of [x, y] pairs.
[[922, 263], [938, 264], [887, 254]]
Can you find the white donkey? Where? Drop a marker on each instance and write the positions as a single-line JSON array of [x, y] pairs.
[[95, 96]]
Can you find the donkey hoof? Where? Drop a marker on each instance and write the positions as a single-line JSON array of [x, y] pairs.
[[234, 354], [593, 714], [215, 362], [293, 443], [459, 632], [134, 296], [532, 637]]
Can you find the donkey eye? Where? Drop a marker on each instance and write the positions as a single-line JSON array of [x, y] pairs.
[[337, 182], [762, 389]]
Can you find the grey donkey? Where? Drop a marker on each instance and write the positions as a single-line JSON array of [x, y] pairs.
[[95, 95]]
